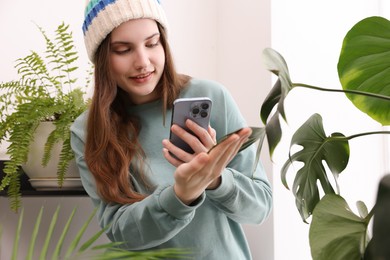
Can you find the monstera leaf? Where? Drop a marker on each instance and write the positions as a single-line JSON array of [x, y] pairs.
[[275, 63], [336, 232], [316, 149], [364, 65]]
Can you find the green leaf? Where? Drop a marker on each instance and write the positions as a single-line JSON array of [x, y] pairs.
[[364, 65], [316, 149], [60, 243], [92, 240], [275, 63], [88, 250], [30, 253], [18, 232], [49, 235], [257, 134], [274, 133], [362, 209], [271, 101], [72, 247], [336, 232]]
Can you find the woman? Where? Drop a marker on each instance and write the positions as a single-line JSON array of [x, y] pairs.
[[152, 199]]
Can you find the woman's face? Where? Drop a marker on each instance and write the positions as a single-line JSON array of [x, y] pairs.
[[137, 59]]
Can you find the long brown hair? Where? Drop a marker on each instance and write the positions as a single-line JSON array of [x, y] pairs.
[[112, 134]]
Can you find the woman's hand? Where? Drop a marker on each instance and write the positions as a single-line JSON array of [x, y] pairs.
[[201, 141], [204, 171]]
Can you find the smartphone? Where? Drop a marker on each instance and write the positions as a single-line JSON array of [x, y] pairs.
[[197, 109]]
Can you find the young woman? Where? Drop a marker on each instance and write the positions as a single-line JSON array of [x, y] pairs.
[[151, 199]]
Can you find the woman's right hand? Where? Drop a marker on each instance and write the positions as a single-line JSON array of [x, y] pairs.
[[200, 140], [194, 177]]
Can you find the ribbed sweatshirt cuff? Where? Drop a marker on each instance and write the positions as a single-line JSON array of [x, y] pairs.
[[173, 205], [225, 190]]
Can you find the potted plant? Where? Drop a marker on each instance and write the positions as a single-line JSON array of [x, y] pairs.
[[46, 91], [336, 232]]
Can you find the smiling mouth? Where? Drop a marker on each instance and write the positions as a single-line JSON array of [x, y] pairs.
[[143, 75]]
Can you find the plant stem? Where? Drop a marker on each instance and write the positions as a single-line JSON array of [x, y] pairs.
[[346, 138], [349, 91], [367, 133]]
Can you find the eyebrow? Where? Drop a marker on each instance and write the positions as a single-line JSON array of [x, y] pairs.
[[147, 38]]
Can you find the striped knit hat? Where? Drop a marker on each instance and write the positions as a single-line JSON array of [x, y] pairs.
[[103, 16]]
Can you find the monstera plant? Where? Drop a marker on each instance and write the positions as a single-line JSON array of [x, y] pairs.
[[364, 71]]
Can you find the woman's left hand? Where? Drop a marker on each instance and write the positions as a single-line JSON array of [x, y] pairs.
[[205, 170]]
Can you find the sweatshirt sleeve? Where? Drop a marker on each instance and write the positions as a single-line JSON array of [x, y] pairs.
[[152, 221], [244, 195]]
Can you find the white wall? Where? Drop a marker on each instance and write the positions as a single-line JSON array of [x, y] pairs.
[[215, 39], [309, 35]]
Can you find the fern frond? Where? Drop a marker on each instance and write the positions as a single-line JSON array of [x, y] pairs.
[[13, 191], [11, 90], [60, 134], [6, 124], [66, 156], [34, 73], [66, 55], [4, 182]]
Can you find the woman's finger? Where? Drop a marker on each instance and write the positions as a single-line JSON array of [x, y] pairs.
[[206, 140], [191, 139], [213, 134], [181, 155], [172, 160]]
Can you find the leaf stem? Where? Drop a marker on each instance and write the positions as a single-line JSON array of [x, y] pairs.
[[349, 91], [367, 133], [343, 138]]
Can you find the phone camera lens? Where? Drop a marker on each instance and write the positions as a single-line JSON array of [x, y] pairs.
[[203, 114], [195, 110], [205, 106]]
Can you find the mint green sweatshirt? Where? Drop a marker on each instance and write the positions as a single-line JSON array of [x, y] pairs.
[[212, 227]]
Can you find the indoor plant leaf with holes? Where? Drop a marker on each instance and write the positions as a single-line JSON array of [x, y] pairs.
[[46, 90], [365, 79]]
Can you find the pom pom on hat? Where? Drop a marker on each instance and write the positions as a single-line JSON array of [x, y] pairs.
[[102, 16]]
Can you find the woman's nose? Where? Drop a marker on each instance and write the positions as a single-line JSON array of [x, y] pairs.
[[141, 59]]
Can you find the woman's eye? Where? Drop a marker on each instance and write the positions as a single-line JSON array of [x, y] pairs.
[[122, 51], [151, 45]]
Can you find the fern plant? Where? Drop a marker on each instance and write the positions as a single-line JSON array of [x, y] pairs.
[[46, 90]]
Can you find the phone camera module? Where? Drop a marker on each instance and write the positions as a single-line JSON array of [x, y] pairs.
[[200, 110]]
